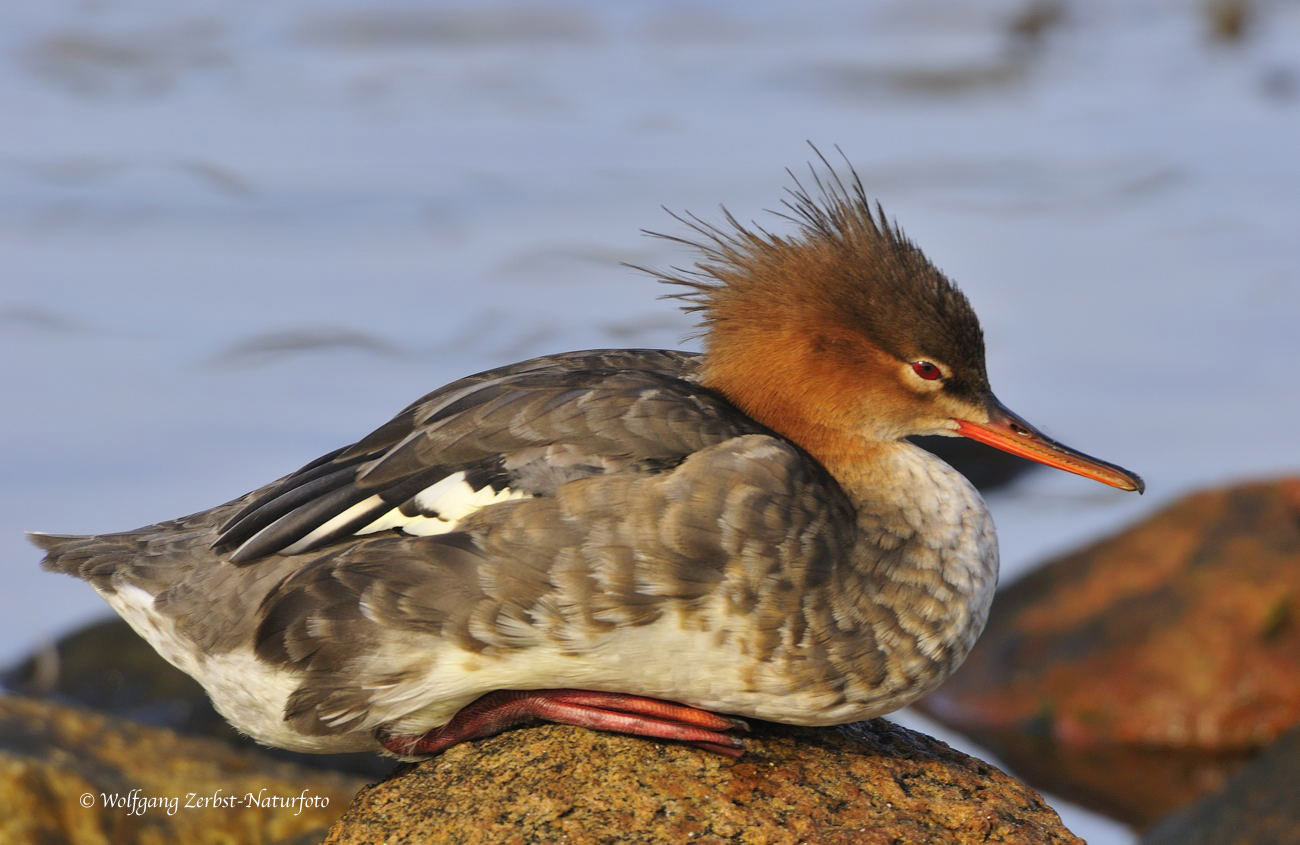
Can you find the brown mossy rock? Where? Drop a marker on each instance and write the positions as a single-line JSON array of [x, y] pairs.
[[1261, 804], [1133, 784], [57, 764], [873, 782], [1138, 673]]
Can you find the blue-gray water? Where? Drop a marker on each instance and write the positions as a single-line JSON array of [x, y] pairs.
[[234, 238]]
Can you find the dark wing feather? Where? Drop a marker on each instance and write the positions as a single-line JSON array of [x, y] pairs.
[[529, 427]]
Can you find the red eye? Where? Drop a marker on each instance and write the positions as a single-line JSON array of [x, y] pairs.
[[926, 370]]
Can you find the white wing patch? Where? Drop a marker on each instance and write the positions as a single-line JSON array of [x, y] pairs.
[[444, 504]]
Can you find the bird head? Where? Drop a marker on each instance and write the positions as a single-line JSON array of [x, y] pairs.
[[844, 333]]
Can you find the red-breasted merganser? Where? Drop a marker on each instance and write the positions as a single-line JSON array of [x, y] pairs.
[[631, 540]]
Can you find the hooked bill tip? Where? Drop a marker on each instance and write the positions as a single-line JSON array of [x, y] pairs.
[[1010, 433]]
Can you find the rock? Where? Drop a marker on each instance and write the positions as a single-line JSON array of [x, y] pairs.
[[1133, 784], [1137, 673], [1258, 805], [107, 667], [873, 782], [60, 767]]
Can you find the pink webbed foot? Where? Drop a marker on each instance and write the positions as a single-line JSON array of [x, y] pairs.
[[604, 711]]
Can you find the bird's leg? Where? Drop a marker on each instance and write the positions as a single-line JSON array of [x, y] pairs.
[[629, 714]]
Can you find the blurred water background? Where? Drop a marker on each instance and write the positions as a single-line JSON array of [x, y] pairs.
[[235, 237]]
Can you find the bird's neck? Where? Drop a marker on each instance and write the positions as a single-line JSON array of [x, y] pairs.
[[925, 543], [919, 577], [925, 548]]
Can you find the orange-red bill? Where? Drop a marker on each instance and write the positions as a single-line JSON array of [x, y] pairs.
[[1005, 430]]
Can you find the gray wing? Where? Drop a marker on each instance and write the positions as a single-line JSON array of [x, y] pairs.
[[517, 431], [752, 520]]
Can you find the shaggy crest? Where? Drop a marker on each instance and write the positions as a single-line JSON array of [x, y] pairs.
[[847, 268]]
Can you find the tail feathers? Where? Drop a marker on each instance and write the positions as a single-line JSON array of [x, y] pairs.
[[88, 557]]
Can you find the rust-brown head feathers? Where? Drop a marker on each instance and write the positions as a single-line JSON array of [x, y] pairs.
[[847, 272]]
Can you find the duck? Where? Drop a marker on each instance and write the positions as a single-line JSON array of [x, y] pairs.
[[654, 542]]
